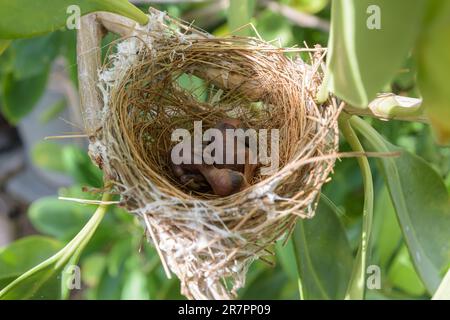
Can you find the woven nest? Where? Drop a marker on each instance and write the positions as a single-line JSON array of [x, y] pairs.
[[210, 241]]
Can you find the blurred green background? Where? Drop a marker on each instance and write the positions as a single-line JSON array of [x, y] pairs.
[[119, 263]]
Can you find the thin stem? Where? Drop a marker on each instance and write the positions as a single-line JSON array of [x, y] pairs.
[[71, 251], [84, 236], [369, 133]]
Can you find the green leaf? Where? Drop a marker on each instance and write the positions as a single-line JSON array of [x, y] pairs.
[[57, 218], [117, 256], [267, 283], [357, 285], [403, 276], [387, 233], [48, 155], [240, 14], [34, 56], [434, 68], [80, 167], [31, 284], [309, 6], [287, 259], [69, 51], [20, 96], [323, 254], [422, 204], [361, 60], [67, 159], [25, 18], [135, 284], [23, 254]]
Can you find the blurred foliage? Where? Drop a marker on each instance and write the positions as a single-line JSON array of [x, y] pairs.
[[118, 263], [24, 19]]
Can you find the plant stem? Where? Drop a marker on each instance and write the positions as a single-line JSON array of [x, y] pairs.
[[70, 252], [77, 245], [356, 288]]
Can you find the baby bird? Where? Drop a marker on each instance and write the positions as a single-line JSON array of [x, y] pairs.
[[247, 168], [223, 179]]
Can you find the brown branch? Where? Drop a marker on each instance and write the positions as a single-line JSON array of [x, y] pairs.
[[89, 60]]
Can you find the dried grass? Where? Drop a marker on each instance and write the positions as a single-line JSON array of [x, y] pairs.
[[208, 241]]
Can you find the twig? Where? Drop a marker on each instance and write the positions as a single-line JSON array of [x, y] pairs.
[[89, 59], [87, 201]]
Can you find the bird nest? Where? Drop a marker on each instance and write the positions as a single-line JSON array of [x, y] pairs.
[[147, 92]]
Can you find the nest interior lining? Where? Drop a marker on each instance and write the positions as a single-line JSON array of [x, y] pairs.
[[208, 241]]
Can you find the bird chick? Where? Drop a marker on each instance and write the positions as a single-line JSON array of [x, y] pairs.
[[223, 179]]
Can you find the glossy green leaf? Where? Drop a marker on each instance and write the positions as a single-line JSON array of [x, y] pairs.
[[369, 41], [422, 204], [286, 256], [434, 69], [27, 18], [387, 235], [69, 52], [240, 14], [23, 254], [20, 96], [323, 254], [80, 167], [135, 284], [68, 159]]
